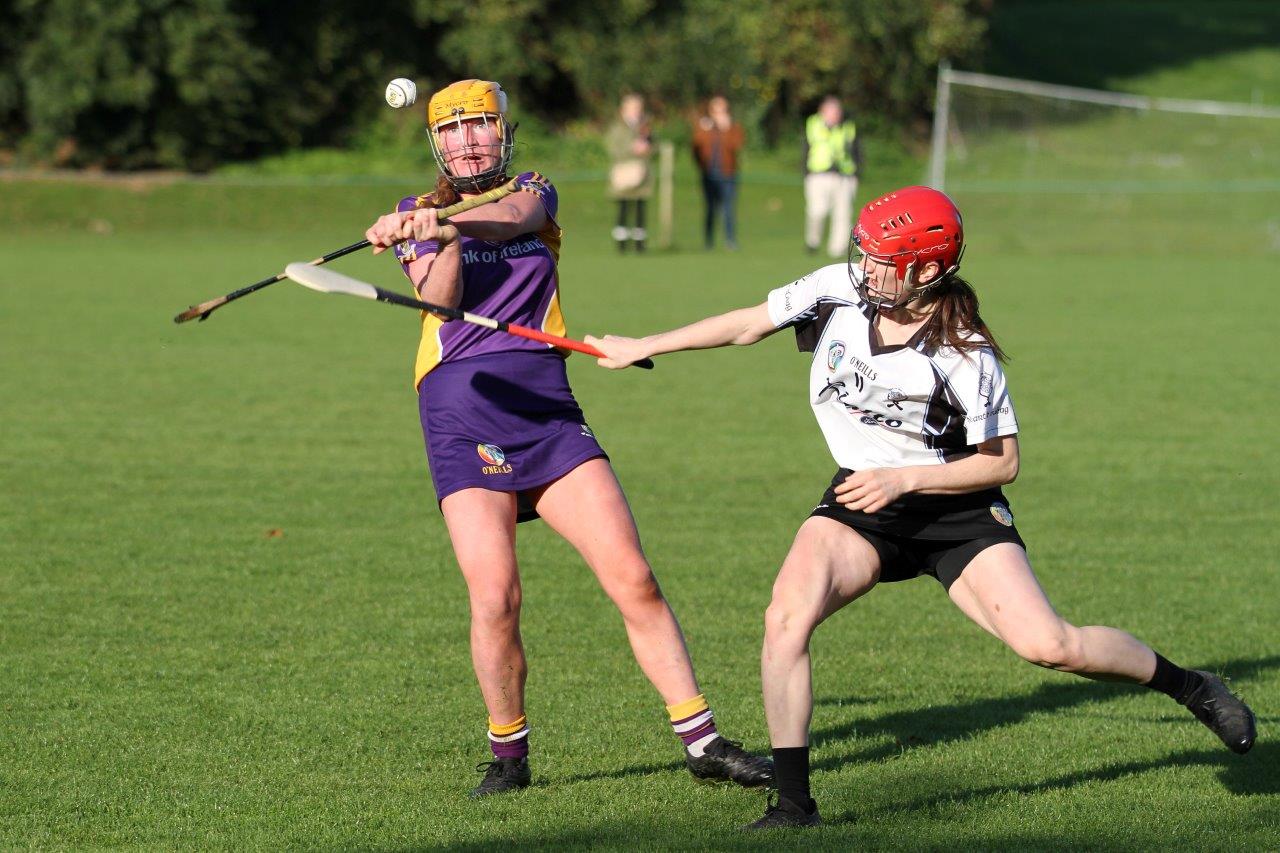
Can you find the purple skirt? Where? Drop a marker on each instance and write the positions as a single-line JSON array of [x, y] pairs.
[[503, 421]]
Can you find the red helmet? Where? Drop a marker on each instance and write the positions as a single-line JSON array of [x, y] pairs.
[[912, 226]]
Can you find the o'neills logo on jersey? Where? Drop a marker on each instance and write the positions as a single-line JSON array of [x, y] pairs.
[[510, 250], [835, 352], [492, 454], [863, 368]]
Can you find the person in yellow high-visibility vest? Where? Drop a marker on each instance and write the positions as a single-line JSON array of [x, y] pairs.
[[832, 162]]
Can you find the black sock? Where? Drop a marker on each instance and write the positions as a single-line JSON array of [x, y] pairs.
[[1174, 681], [791, 769]]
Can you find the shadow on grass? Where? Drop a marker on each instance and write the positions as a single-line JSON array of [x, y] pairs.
[[1254, 775], [838, 701], [1251, 775], [621, 772], [945, 723]]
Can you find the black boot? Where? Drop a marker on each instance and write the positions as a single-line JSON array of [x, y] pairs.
[[1223, 712], [785, 813], [502, 775], [726, 761]]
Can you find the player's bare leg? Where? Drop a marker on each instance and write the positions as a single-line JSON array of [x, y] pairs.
[[828, 566], [587, 507], [481, 526], [1003, 590], [999, 590]]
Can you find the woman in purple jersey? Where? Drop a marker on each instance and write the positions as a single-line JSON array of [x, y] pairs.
[[907, 388], [507, 442]]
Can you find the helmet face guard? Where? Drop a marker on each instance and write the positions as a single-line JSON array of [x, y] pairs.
[[905, 264], [908, 228], [482, 102]]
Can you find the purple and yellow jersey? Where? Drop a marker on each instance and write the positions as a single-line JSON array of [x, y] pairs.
[[514, 281]]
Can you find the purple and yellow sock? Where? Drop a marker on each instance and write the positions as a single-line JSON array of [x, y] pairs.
[[509, 740], [694, 724]]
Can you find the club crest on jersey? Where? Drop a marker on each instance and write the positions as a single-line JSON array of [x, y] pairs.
[[894, 398], [1001, 513], [835, 352], [496, 459]]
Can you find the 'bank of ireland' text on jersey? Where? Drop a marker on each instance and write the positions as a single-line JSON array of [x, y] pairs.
[[514, 280]]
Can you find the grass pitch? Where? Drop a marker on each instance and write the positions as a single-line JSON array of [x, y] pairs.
[[230, 616]]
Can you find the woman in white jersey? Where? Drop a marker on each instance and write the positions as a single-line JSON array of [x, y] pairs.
[[907, 388]]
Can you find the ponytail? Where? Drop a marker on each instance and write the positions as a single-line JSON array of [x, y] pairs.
[[956, 322]]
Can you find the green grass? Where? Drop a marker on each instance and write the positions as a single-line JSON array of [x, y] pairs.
[[1060, 176], [1169, 48], [176, 676], [229, 615]]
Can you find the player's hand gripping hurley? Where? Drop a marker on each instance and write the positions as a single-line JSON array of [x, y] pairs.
[[204, 309], [328, 281]]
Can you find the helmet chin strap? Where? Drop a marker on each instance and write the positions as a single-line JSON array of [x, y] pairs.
[[909, 292]]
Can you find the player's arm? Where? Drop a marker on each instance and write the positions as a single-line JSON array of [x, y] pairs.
[[436, 276], [505, 219], [741, 327], [871, 490]]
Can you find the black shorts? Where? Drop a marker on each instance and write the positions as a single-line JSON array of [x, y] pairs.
[[936, 535]]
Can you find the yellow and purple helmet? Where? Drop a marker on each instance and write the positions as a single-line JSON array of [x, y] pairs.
[[482, 100]]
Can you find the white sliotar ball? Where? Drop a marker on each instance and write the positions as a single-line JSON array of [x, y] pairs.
[[401, 92]]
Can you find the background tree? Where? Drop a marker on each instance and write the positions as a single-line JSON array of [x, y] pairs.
[[127, 84]]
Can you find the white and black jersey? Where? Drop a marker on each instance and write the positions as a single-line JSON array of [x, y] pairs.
[[888, 406], [894, 406]]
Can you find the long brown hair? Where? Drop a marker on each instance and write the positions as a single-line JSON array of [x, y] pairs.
[[956, 320], [443, 195]]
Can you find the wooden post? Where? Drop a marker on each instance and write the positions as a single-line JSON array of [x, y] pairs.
[[666, 193]]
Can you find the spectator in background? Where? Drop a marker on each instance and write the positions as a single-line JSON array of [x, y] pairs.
[[717, 139], [832, 161], [630, 144]]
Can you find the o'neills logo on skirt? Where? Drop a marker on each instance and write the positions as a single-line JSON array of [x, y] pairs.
[[496, 459]]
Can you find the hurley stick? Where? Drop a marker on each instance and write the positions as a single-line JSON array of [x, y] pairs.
[[204, 309]]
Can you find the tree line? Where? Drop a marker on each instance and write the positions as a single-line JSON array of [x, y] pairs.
[[191, 84]]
